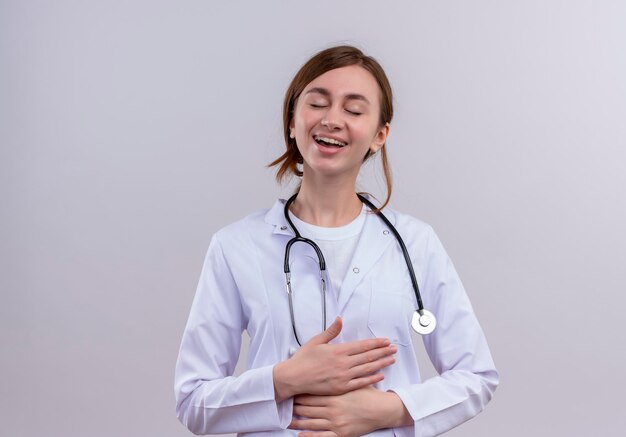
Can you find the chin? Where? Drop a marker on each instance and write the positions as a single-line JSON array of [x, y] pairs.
[[330, 171]]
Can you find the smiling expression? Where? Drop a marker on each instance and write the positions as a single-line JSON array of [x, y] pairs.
[[337, 120]]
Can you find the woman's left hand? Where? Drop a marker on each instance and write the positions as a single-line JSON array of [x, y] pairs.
[[351, 414]]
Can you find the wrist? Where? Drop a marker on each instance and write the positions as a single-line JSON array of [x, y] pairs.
[[396, 414], [282, 388]]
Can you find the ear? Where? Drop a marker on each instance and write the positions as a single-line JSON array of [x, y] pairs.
[[380, 138], [292, 131]]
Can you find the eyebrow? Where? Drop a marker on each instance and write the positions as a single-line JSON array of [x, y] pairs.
[[326, 93]]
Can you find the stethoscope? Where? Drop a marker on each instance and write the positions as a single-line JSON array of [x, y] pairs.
[[423, 321]]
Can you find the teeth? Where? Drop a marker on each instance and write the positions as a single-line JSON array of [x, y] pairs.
[[329, 140]]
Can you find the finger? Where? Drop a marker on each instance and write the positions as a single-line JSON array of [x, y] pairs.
[[311, 400], [317, 434], [358, 383], [372, 355], [361, 346], [331, 332], [310, 424], [310, 412], [369, 368]]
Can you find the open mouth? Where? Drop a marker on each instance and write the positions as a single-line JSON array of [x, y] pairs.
[[328, 142]]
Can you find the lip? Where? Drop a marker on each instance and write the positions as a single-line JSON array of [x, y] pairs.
[[328, 150], [332, 137]]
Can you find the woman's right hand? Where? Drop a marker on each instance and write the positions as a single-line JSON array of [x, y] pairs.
[[332, 369]]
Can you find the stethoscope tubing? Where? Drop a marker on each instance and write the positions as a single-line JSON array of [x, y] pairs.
[[423, 321], [405, 252]]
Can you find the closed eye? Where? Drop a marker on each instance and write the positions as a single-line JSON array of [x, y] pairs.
[[353, 112], [317, 106]]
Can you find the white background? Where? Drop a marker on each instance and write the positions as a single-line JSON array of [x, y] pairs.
[[130, 131]]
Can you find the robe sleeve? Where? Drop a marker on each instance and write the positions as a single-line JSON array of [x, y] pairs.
[[209, 400], [457, 348]]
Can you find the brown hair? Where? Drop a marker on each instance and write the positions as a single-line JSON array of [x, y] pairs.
[[326, 60]]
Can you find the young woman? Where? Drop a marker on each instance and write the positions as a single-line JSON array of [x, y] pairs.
[[330, 320]]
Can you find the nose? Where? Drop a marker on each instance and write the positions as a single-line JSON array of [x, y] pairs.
[[332, 119], [331, 125]]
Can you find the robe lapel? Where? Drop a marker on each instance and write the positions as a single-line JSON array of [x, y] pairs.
[[276, 216], [374, 240]]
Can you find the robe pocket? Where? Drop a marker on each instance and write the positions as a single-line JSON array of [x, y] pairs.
[[391, 310]]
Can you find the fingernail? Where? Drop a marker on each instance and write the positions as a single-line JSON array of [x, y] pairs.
[[387, 342]]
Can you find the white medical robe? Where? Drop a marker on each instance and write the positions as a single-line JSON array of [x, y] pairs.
[[242, 286]]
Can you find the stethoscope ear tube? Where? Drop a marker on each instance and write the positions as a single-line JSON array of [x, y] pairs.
[[290, 295], [300, 239], [322, 263]]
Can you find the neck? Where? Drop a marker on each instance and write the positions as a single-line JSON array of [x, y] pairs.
[[329, 203]]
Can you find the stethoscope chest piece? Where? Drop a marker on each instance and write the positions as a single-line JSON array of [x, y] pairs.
[[423, 322]]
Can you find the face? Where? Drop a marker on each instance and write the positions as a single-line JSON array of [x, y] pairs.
[[336, 121]]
